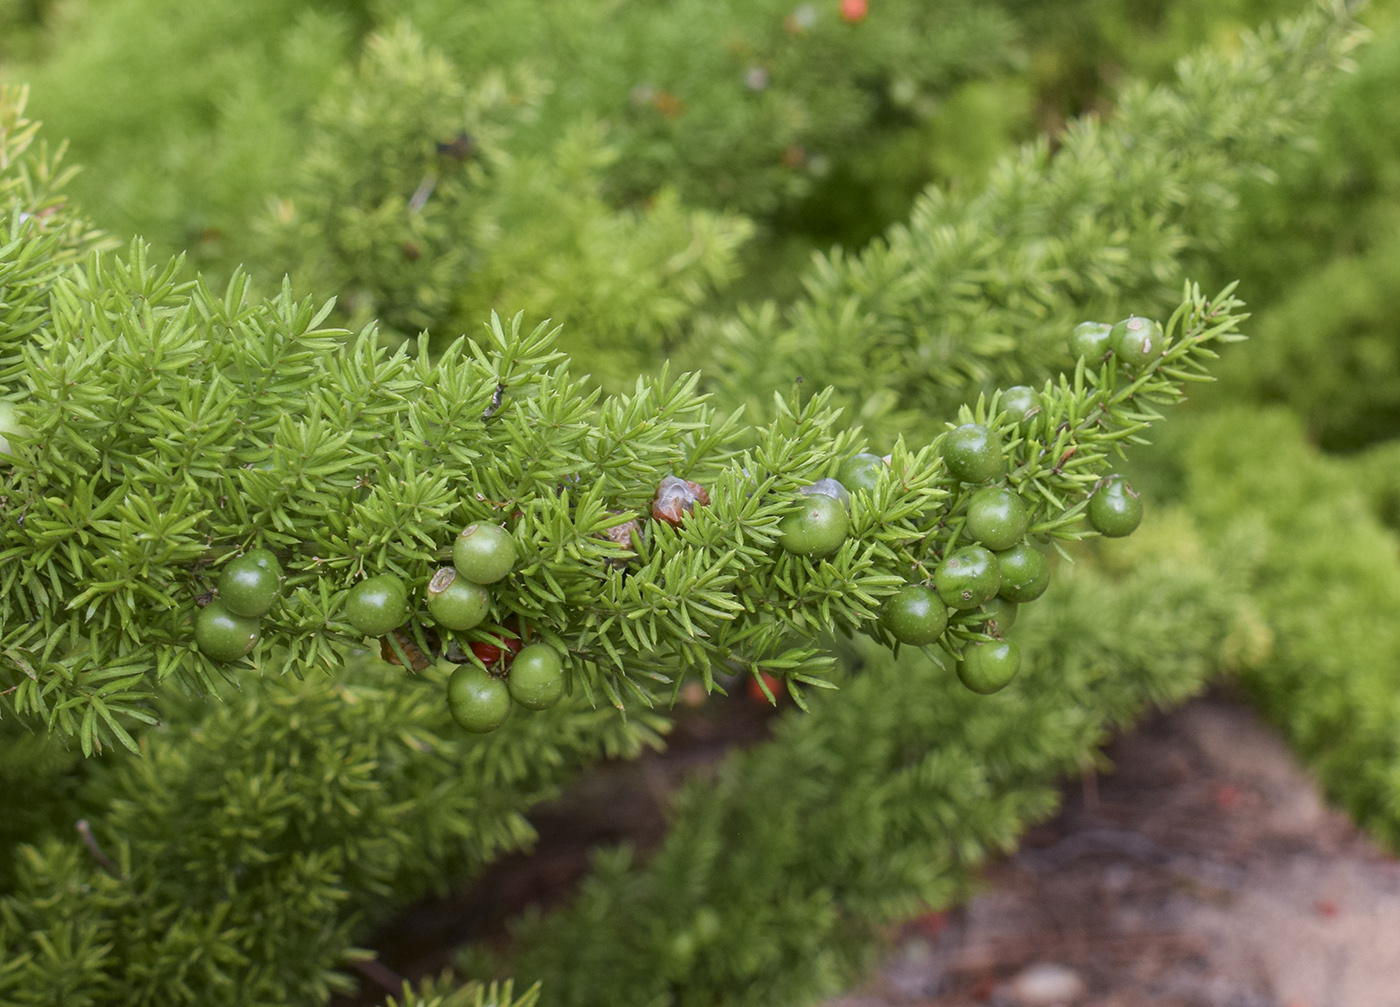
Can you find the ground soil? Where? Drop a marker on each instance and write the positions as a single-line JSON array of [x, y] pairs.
[[1203, 871]]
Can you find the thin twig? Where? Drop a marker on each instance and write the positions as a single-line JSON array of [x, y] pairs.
[[90, 841]]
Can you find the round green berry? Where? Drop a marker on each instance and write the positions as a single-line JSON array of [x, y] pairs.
[[968, 577], [1115, 509], [250, 584], [1136, 341], [222, 635], [1090, 341], [861, 472], [536, 678], [915, 615], [1019, 402], [1025, 574], [455, 602], [988, 667], [817, 529], [972, 453], [998, 614], [997, 518], [476, 700], [378, 605], [484, 553], [9, 425]]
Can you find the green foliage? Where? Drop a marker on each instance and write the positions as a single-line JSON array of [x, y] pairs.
[[985, 287], [1320, 249], [186, 115], [172, 426], [775, 880], [420, 234], [172, 429], [241, 872], [190, 125], [1324, 574]]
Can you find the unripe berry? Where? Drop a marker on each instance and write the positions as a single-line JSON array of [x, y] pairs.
[[988, 667], [1115, 509], [250, 584], [997, 518], [860, 472], [536, 678], [484, 553], [223, 636], [377, 605], [817, 530], [1090, 341], [1136, 341], [455, 602], [915, 615], [968, 577], [477, 701], [972, 453]]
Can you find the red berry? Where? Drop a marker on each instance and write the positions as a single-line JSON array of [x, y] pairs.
[[854, 11], [489, 653], [775, 686]]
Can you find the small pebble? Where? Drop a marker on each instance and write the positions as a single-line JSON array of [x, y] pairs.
[[1043, 986]]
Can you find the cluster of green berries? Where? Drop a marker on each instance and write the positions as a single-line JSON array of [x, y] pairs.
[[1002, 569], [227, 628], [478, 696], [1135, 341]]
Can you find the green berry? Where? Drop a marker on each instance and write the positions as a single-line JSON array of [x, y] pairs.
[[484, 553], [915, 615], [973, 453], [1115, 509], [861, 472], [988, 667], [998, 614], [455, 602], [222, 635], [1019, 402], [250, 584], [1136, 341], [536, 678], [817, 529], [1090, 341], [997, 518], [477, 701], [1025, 574], [378, 605], [9, 424], [968, 577]]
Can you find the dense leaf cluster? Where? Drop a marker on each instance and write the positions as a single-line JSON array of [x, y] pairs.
[[169, 429], [235, 873]]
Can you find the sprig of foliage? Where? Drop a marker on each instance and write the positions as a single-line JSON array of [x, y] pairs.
[[979, 286], [169, 428]]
